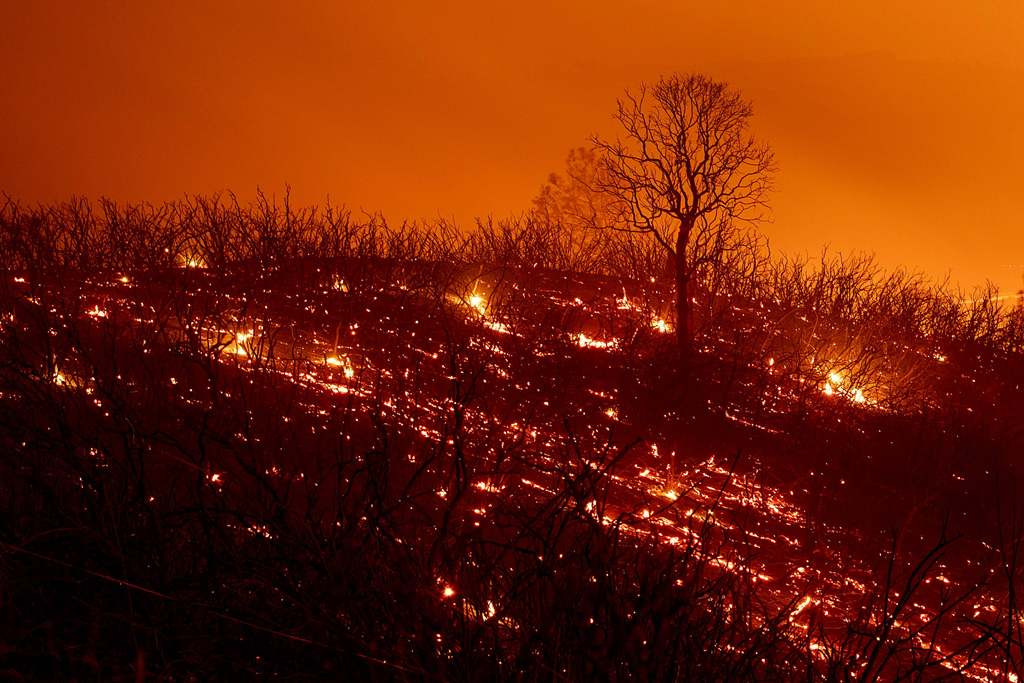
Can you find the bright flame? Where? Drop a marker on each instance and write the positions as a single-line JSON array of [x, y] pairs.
[[236, 345], [478, 303], [335, 361], [833, 386]]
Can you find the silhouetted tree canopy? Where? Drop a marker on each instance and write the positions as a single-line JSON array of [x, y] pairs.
[[685, 167]]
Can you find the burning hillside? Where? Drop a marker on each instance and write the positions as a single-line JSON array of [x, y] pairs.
[[427, 464]]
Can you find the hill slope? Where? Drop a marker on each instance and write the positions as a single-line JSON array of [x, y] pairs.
[[416, 468]]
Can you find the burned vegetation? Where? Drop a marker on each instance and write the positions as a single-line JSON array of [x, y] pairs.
[[241, 439]]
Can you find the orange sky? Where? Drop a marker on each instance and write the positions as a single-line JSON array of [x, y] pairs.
[[899, 131]]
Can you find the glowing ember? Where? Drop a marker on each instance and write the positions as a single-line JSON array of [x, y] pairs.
[[801, 606], [624, 303], [586, 342], [497, 326]]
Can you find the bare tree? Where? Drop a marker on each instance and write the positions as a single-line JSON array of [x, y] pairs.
[[686, 167], [572, 200]]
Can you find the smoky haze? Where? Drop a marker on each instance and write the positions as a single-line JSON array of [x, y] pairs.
[[897, 130]]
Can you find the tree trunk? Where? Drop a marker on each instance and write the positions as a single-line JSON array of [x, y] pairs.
[[684, 306], [684, 312]]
